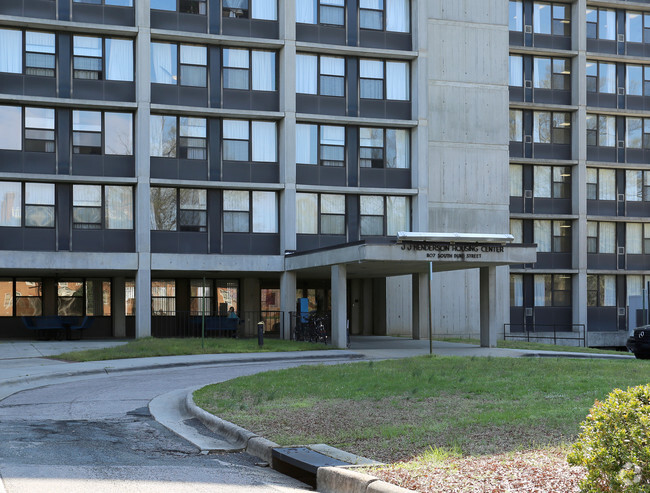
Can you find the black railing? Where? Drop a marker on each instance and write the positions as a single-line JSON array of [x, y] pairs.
[[272, 319], [546, 333], [177, 323]]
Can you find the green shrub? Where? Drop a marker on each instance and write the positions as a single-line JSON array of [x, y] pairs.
[[614, 445]]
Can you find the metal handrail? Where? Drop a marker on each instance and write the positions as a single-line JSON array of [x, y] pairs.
[[559, 331]]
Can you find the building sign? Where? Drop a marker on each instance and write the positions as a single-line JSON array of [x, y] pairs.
[[451, 251]]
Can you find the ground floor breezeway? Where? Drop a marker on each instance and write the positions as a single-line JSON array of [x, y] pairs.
[[180, 295]]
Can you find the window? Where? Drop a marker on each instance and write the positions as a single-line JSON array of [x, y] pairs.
[[516, 71], [10, 204], [6, 298], [373, 84], [637, 80], [329, 12], [193, 64], [320, 75], [40, 50], [29, 298], [516, 180], [637, 238], [552, 236], [39, 130], [601, 24], [551, 18], [11, 121], [163, 298], [635, 286], [237, 208], [332, 145], [389, 15], [516, 16], [551, 73], [637, 133], [39, 205], [601, 237], [118, 3], [254, 9], [329, 207], [601, 290], [94, 208], [178, 209], [634, 27], [98, 298], [184, 6], [11, 56], [384, 148], [552, 290], [601, 77], [516, 126], [190, 143], [601, 184], [601, 130], [70, 298], [249, 141], [88, 60], [516, 288], [237, 73], [551, 128], [383, 216], [552, 182], [637, 186], [87, 133], [201, 296]]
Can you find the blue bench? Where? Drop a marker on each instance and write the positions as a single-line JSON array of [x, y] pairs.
[[61, 324], [214, 323]]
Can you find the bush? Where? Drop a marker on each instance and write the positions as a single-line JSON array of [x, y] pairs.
[[614, 445]]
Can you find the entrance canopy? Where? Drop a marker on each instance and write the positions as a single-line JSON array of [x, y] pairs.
[[365, 260]]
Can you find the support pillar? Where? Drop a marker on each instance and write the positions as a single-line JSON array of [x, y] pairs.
[[339, 306], [420, 305], [143, 298], [118, 310], [367, 307], [379, 306], [287, 302], [488, 293], [249, 307]]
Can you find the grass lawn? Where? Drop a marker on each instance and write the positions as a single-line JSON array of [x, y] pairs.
[[399, 409], [511, 344], [150, 346]]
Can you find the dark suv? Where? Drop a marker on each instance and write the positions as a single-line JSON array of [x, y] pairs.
[[639, 344]]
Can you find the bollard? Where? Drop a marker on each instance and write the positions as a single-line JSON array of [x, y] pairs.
[[260, 333]]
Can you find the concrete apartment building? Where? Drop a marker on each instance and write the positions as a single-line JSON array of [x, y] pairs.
[[156, 155]]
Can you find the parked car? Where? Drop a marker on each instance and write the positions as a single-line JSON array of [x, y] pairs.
[[639, 343]]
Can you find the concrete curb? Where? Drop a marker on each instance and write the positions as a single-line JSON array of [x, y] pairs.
[[98, 369], [328, 479]]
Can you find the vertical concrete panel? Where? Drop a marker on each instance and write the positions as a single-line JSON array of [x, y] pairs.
[[287, 301], [398, 306]]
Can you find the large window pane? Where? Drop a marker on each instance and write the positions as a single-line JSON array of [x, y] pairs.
[[163, 136], [306, 74], [119, 207], [11, 125], [39, 205], [29, 298], [118, 137], [397, 81], [398, 16], [306, 213], [265, 212], [397, 215], [119, 59], [263, 71], [264, 142], [306, 143], [398, 149], [163, 209], [164, 62], [11, 51], [10, 203]]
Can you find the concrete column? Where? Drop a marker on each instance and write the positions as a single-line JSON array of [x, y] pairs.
[[287, 301], [367, 308], [355, 306], [420, 305], [488, 289], [118, 308], [50, 296], [379, 306], [339, 306], [143, 298]]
